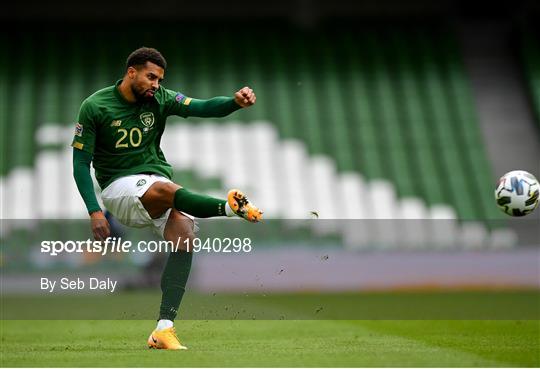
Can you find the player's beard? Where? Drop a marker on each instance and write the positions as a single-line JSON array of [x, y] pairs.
[[140, 95]]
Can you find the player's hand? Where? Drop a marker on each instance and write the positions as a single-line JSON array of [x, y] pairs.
[[100, 226], [245, 97]]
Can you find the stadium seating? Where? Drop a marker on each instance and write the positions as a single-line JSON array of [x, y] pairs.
[[354, 123], [530, 53]]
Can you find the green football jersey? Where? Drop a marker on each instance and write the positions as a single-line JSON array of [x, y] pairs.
[[123, 137]]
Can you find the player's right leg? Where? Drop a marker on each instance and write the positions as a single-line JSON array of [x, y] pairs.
[[177, 230], [123, 199]]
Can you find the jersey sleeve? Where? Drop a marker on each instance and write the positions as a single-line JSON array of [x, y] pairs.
[[216, 107], [176, 103], [85, 129]]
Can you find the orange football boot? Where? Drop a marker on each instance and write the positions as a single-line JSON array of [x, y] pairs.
[[165, 339], [242, 207]]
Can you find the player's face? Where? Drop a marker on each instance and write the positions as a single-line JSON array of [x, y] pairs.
[[145, 81]]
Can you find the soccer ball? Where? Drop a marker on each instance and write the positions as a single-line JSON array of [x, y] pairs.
[[517, 193]]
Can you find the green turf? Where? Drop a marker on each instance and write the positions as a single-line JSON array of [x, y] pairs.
[[396, 305], [326, 343]]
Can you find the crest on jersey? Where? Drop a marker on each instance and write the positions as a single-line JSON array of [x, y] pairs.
[[147, 119]]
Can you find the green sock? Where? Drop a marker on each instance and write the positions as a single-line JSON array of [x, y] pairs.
[[173, 283], [200, 206]]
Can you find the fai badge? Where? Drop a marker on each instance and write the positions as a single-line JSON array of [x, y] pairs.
[[147, 119]]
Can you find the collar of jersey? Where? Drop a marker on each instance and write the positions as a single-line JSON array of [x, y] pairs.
[[120, 97]]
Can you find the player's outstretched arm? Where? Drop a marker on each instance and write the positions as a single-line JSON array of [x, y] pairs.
[[81, 173], [219, 106], [245, 97]]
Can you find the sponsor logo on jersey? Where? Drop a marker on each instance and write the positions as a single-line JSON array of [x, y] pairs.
[[147, 119], [116, 123], [78, 129], [141, 182]]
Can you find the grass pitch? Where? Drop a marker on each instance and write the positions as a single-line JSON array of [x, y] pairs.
[[224, 343]]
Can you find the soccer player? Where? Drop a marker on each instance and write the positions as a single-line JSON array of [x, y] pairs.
[[119, 129]]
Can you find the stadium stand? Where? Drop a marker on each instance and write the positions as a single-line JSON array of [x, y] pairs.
[[346, 118], [530, 52]]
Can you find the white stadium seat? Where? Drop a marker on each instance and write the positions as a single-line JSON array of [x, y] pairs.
[[279, 176]]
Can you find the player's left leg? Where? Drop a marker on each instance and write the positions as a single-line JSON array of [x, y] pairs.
[[162, 196], [173, 281]]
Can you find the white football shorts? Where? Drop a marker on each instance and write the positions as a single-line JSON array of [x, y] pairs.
[[122, 199]]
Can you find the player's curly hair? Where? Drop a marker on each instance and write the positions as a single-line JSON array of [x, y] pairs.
[[145, 54]]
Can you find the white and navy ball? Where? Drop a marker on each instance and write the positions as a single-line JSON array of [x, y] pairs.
[[517, 193]]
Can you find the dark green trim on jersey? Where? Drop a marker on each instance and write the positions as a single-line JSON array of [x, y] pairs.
[[81, 173]]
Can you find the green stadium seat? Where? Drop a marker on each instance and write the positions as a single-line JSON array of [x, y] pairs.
[[362, 109], [530, 53]]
